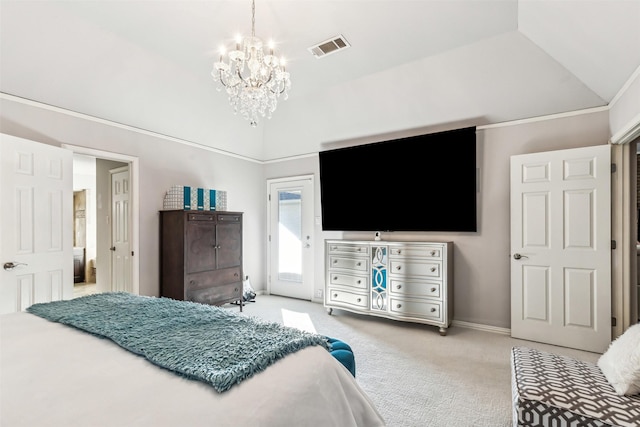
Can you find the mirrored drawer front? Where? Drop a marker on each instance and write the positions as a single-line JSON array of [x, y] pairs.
[[416, 268], [403, 307], [416, 252], [416, 289], [338, 248], [355, 264], [348, 298], [340, 279]]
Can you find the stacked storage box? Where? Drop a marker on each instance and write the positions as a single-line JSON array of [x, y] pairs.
[[194, 198]]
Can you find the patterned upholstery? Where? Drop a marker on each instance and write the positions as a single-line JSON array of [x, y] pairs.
[[558, 391]]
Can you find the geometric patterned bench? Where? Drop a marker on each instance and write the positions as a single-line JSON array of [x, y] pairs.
[[553, 390]]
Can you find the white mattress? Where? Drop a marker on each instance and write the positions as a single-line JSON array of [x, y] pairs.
[[55, 375]]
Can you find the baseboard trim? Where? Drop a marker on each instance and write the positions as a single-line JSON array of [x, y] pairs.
[[480, 327]]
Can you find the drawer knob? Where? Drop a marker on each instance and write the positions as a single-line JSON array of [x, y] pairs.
[[433, 289], [235, 289], [433, 253], [335, 295], [359, 264], [359, 281], [359, 299], [359, 249], [433, 269], [235, 274], [433, 309], [335, 277], [399, 306], [399, 286], [399, 268], [399, 251], [335, 261]]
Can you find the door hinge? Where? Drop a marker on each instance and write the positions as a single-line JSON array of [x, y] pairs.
[[614, 168], [131, 253], [614, 322], [613, 244]]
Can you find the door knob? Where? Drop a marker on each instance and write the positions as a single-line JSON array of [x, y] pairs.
[[112, 248], [11, 265], [518, 256]]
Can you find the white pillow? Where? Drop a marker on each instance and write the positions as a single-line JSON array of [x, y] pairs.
[[620, 364]]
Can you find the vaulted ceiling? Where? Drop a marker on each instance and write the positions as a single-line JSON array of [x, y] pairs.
[[412, 64]]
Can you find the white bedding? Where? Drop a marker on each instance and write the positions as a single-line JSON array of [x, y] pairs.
[[55, 375]]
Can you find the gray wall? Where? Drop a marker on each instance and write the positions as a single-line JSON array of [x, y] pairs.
[[162, 163], [481, 293], [481, 260]]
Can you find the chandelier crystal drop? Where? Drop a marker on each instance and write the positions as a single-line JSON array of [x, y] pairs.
[[253, 79]]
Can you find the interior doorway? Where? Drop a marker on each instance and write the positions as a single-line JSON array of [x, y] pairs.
[[92, 175]]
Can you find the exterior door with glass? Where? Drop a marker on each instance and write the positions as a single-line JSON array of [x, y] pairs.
[[290, 237]]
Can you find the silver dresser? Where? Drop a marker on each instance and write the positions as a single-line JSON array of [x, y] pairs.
[[408, 281]]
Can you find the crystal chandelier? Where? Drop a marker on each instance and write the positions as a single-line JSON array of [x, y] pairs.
[[253, 79]]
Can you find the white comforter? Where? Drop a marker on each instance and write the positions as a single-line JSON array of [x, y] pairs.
[[54, 375]]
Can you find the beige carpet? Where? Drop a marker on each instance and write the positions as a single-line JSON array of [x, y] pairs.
[[414, 376]]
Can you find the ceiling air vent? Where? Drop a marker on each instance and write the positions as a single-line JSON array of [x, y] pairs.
[[329, 46]]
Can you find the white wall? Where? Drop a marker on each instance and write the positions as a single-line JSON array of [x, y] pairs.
[[162, 163], [624, 110], [482, 259]]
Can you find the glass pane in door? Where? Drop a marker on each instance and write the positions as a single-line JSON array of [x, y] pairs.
[[290, 235]]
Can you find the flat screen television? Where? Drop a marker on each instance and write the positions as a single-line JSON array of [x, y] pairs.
[[419, 183]]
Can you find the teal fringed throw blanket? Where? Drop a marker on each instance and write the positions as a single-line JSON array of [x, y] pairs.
[[202, 342]]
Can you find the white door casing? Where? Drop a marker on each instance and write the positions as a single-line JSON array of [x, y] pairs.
[[36, 223], [290, 237], [561, 247], [120, 230]]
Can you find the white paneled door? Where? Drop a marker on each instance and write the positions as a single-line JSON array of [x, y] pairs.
[[561, 247], [36, 223], [120, 230], [291, 237]]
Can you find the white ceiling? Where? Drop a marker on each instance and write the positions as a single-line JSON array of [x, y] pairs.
[[412, 64]]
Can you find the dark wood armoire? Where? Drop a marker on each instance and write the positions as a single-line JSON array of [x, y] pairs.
[[201, 256]]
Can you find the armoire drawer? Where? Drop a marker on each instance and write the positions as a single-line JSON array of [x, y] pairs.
[[207, 279], [346, 298], [216, 294]]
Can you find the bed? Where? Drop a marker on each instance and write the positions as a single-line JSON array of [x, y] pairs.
[[52, 374]]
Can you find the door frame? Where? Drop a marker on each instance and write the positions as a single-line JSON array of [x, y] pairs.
[[311, 261], [134, 168]]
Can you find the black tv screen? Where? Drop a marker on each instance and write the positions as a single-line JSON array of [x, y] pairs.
[[419, 183]]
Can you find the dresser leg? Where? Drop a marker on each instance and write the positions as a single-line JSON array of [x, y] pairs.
[[443, 331], [329, 311]]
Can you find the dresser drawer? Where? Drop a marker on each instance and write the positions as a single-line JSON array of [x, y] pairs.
[[416, 289], [430, 252], [346, 298], [416, 268], [342, 248], [216, 294], [348, 280], [408, 308], [207, 279], [345, 263]]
